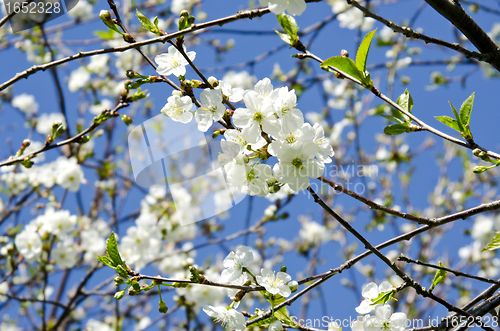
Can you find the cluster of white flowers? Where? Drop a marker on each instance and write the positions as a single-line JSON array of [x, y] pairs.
[[301, 149], [293, 7], [237, 269], [61, 224], [350, 17], [25, 103], [383, 317]]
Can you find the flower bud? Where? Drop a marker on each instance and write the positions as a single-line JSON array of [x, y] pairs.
[[213, 81], [128, 38], [242, 158], [283, 268], [120, 294], [118, 281], [177, 93], [344, 53], [163, 307], [294, 286]]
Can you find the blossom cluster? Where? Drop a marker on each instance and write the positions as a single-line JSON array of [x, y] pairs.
[[237, 271], [268, 124], [383, 317]]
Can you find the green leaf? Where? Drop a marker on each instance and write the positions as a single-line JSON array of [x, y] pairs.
[[362, 53], [107, 261], [396, 129], [459, 121], [493, 244], [449, 122], [392, 118], [438, 277], [405, 101], [145, 22], [466, 109], [112, 249], [106, 35], [285, 37], [120, 269], [344, 65], [384, 297], [288, 24]]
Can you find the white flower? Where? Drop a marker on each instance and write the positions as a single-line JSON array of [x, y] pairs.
[[258, 113], [173, 62], [241, 79], [369, 292], [82, 11], [29, 244], [212, 109], [179, 5], [275, 326], [97, 109], [232, 319], [78, 79], [4, 288], [56, 222], [98, 63], [354, 19], [45, 121], [275, 283], [178, 109], [294, 7], [25, 103], [70, 174], [334, 326], [64, 255], [235, 262], [285, 101], [234, 94], [385, 320], [314, 233], [249, 179], [93, 244], [297, 165]]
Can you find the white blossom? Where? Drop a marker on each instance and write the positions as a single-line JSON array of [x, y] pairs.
[[385, 320], [258, 112], [45, 121], [249, 179], [294, 7], [369, 292], [78, 79], [178, 109], [70, 174], [98, 63], [240, 79], [29, 244], [212, 109], [25, 103], [230, 318], [275, 283], [235, 262], [82, 10], [64, 255], [173, 62]]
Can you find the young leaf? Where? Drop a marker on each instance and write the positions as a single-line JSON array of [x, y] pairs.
[[384, 297], [288, 24], [107, 261], [363, 49], [396, 129], [145, 22], [493, 244], [438, 277], [405, 101], [459, 121], [392, 118], [112, 249], [285, 37], [466, 109], [345, 65], [449, 122]]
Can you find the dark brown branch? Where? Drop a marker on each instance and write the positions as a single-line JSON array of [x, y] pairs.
[[453, 12]]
